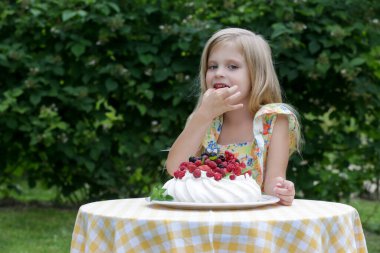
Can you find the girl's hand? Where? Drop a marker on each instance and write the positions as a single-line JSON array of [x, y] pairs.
[[284, 189], [215, 102]]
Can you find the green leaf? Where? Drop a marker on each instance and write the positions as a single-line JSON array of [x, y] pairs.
[[111, 85], [279, 29], [146, 58], [141, 108], [35, 99], [357, 61], [314, 47], [35, 12], [78, 49], [68, 14], [159, 193]]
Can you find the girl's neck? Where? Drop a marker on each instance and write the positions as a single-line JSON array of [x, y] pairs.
[[237, 117]]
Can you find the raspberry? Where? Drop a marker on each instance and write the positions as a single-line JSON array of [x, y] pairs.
[[249, 172], [204, 167], [181, 174], [230, 167], [209, 173], [237, 171], [183, 168], [183, 164], [217, 176], [242, 165], [212, 164], [220, 171], [191, 167], [176, 173], [218, 161], [224, 164], [198, 162], [197, 173], [232, 177], [227, 153], [207, 161]]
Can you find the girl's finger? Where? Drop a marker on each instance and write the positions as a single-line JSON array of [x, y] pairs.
[[283, 192], [233, 98]]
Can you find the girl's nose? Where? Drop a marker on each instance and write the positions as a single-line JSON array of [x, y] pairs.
[[219, 71]]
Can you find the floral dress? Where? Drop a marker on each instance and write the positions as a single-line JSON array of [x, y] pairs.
[[254, 153]]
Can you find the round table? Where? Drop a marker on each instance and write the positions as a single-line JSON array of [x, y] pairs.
[[134, 225]]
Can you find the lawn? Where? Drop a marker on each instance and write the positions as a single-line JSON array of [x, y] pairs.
[[32, 229], [47, 229]]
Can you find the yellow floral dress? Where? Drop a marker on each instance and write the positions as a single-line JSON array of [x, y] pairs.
[[254, 153]]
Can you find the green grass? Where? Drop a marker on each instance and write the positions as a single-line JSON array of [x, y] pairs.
[[33, 229]]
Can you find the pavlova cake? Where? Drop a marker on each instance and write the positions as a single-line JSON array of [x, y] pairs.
[[213, 178]]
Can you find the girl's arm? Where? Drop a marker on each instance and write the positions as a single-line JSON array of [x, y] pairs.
[[275, 182], [188, 143]]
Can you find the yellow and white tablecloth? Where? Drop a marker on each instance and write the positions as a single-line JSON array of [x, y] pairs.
[[132, 225]]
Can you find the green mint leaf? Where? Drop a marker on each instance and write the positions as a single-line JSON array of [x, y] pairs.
[[159, 193]]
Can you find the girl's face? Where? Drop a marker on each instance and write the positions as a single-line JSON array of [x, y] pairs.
[[226, 66]]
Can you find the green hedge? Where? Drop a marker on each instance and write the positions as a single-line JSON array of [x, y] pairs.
[[92, 91]]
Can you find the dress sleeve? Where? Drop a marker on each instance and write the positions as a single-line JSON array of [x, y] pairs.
[[263, 125]]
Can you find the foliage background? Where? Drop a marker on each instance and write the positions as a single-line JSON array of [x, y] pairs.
[[92, 91]]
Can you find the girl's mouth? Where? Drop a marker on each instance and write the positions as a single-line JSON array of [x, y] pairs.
[[220, 85]]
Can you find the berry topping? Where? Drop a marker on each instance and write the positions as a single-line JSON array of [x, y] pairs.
[[217, 176], [197, 173], [216, 166]]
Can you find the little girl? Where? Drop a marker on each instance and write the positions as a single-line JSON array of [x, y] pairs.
[[240, 110]]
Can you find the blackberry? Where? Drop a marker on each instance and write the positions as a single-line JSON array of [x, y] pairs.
[[221, 157], [220, 166], [192, 159]]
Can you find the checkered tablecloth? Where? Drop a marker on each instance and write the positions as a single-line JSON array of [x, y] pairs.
[[132, 225]]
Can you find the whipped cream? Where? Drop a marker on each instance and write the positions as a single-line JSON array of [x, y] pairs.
[[207, 190]]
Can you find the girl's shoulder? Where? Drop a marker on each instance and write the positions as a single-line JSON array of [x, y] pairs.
[[276, 108]]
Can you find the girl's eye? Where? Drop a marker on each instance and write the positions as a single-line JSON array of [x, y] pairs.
[[212, 67], [232, 67]]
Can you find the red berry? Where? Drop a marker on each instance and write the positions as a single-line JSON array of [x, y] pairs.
[[182, 168], [227, 153], [176, 173], [204, 167], [209, 173], [183, 164], [207, 161], [230, 167], [220, 171], [191, 167], [217, 176], [198, 162], [212, 164], [237, 171], [242, 165], [249, 172], [181, 174], [232, 177], [197, 173], [218, 161]]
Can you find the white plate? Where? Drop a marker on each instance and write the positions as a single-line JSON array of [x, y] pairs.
[[265, 200]]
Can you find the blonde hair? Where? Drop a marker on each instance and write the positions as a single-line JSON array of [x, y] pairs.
[[265, 87]]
